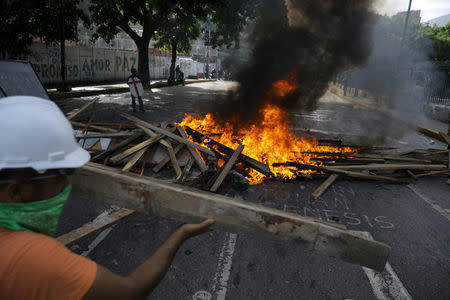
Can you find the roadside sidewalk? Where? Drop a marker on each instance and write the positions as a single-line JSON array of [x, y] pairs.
[[434, 111], [409, 118], [84, 91]]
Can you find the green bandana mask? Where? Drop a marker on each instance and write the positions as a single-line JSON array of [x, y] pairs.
[[37, 216]]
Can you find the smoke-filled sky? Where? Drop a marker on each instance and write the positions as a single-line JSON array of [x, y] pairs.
[[309, 41], [430, 9]]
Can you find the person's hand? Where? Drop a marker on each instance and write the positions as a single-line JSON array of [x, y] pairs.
[[190, 230]]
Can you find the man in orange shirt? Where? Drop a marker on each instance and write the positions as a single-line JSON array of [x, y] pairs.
[[35, 162]]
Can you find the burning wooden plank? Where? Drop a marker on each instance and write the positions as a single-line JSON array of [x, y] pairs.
[[200, 163], [248, 161], [167, 133], [97, 182], [227, 168]]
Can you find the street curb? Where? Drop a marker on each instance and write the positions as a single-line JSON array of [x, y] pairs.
[[76, 94]]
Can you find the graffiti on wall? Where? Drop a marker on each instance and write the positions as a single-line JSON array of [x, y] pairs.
[[95, 64]]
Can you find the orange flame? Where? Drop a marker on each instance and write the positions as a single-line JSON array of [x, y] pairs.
[[270, 141], [285, 86]]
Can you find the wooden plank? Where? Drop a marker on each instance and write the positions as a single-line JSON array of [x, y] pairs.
[[186, 171], [433, 173], [173, 157], [436, 153], [105, 135], [134, 159], [96, 127], [323, 187], [150, 195], [167, 133], [198, 160], [339, 171], [432, 134], [411, 174], [445, 137], [83, 108], [230, 163], [382, 167], [119, 147], [94, 227], [369, 176], [387, 157], [164, 161], [248, 161], [116, 158]]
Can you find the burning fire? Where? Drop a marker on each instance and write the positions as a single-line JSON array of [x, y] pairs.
[[270, 141]]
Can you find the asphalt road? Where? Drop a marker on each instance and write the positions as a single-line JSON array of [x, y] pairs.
[[413, 219]]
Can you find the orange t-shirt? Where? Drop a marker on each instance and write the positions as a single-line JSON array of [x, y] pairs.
[[35, 266]]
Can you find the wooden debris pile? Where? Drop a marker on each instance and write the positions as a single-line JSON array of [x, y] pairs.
[[207, 164]]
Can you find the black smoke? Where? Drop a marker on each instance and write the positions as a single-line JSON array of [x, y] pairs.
[[313, 39]]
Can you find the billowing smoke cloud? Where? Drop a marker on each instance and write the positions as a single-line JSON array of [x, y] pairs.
[[311, 40]]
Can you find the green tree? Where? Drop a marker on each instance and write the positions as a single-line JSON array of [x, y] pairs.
[[50, 20], [27, 19], [229, 18], [176, 32], [109, 16], [153, 16]]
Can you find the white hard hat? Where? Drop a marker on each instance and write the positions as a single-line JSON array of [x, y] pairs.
[[34, 133]]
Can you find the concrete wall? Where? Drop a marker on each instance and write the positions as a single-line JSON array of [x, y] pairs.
[[86, 64]]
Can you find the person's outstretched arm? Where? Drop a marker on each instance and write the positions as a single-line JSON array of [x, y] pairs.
[[142, 280]]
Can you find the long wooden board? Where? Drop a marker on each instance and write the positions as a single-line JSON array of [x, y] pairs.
[[105, 135], [167, 133], [97, 128], [135, 159], [116, 158], [119, 147], [145, 194], [381, 167], [83, 108], [87, 230], [432, 134]]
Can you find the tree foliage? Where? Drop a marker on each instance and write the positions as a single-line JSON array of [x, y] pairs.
[[108, 17], [24, 20], [230, 17], [422, 41], [176, 32], [163, 19]]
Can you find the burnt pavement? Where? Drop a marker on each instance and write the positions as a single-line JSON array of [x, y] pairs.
[[412, 218]]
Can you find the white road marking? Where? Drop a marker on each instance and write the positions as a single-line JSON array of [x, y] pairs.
[[97, 241], [102, 234], [433, 204], [223, 270], [385, 285]]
